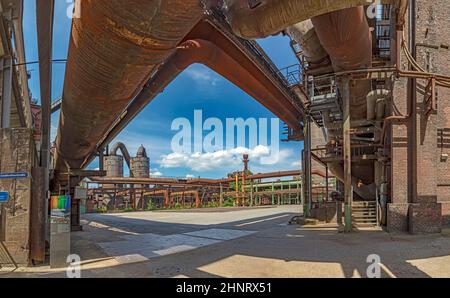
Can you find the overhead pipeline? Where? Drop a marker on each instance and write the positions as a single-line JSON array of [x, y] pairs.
[[115, 47], [261, 18]]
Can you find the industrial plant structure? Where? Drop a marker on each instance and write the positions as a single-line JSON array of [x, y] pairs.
[[369, 98]]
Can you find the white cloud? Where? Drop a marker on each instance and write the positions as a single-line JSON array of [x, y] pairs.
[[224, 159], [155, 173], [203, 75], [297, 164], [189, 176]]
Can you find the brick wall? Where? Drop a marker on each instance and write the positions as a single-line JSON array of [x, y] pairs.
[[446, 214], [435, 13], [17, 154], [433, 174]]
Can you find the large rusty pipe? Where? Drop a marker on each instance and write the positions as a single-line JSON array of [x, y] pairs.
[[346, 37], [205, 52], [114, 48], [126, 155], [261, 18], [305, 35]]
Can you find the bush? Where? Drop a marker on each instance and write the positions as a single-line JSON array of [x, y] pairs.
[[151, 206], [228, 202]]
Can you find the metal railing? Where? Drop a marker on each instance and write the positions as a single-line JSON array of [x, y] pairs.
[[292, 74]]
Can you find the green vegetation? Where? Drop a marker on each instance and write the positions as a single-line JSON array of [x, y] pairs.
[[228, 202], [151, 206]]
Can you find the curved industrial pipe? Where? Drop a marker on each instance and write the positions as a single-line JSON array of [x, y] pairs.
[[115, 47], [261, 18], [205, 52], [376, 104], [305, 35], [121, 146]]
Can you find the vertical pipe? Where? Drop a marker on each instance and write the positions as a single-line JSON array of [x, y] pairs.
[[273, 193], [289, 196], [347, 155], [44, 23], [307, 171], [412, 130], [251, 192], [197, 200], [244, 194], [326, 183], [237, 190], [221, 194], [6, 101], [101, 161]]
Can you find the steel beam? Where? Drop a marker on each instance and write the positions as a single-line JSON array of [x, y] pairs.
[[347, 152], [44, 22], [6, 64], [412, 110], [307, 166]]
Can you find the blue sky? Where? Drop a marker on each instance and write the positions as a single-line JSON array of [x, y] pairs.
[[198, 88]]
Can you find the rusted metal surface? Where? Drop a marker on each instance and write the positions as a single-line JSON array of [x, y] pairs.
[[38, 216], [126, 155], [207, 53], [304, 34], [114, 48], [346, 37], [272, 16]]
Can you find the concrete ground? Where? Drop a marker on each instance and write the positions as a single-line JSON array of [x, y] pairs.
[[255, 242]]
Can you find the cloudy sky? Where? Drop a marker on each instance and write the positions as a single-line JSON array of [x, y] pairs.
[[198, 88]]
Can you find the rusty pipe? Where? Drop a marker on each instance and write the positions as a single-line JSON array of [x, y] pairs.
[[126, 155], [115, 47], [205, 52], [261, 18]]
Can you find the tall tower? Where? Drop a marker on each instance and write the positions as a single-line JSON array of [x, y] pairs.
[[140, 165], [246, 161]]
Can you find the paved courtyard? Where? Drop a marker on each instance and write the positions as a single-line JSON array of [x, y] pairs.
[[255, 242]]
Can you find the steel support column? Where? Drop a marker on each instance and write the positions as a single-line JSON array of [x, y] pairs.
[[44, 24], [6, 64], [307, 167], [412, 110], [347, 152], [327, 183]]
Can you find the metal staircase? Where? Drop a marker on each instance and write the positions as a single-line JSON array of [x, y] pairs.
[[364, 214], [324, 99]]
